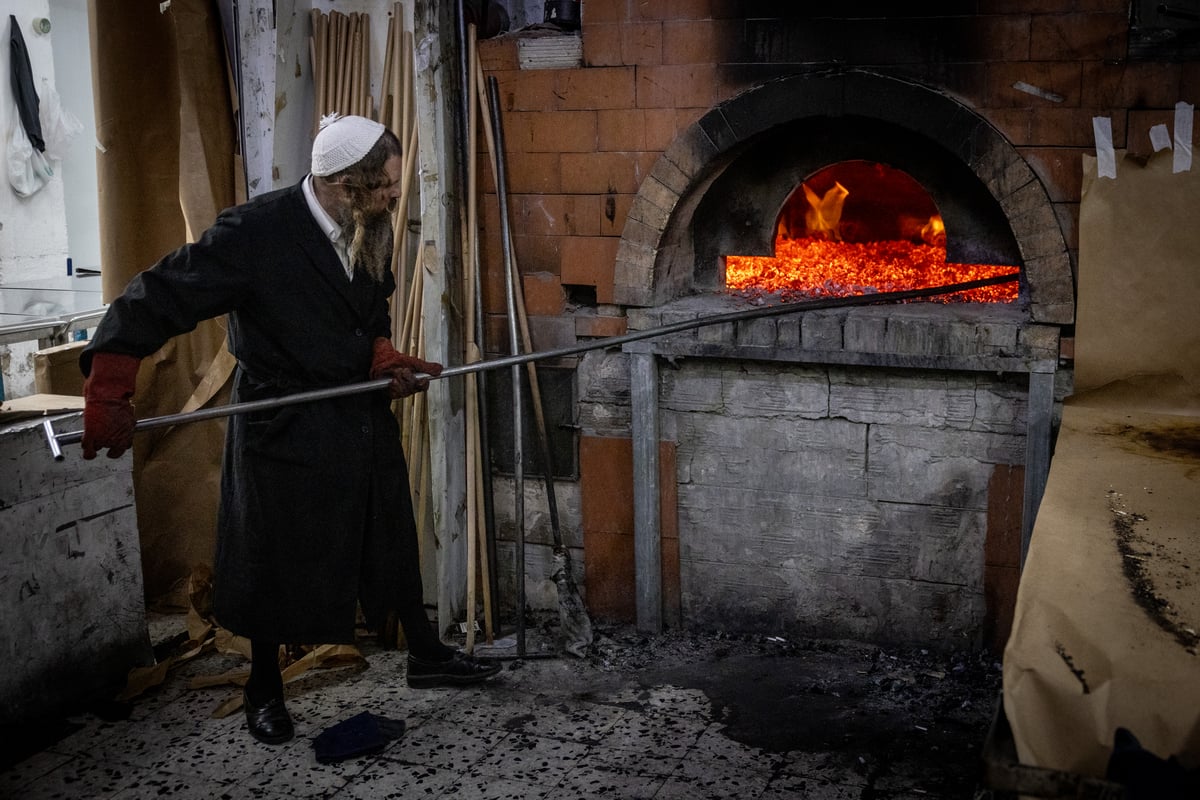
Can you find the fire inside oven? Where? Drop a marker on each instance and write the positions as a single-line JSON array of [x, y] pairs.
[[859, 227]]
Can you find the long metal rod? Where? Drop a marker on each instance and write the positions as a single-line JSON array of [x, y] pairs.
[[232, 409], [515, 347]]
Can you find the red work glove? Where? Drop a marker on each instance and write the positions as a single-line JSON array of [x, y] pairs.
[[388, 361], [108, 417]]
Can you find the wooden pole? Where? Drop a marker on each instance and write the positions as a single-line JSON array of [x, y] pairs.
[[406, 119], [472, 399], [331, 66], [335, 37], [364, 68], [485, 577], [343, 67], [471, 526], [400, 223], [326, 56], [399, 74], [385, 82], [317, 45], [426, 471], [419, 465], [404, 344], [356, 75]]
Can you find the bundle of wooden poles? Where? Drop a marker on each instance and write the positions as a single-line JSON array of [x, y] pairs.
[[339, 47], [340, 52], [575, 625]]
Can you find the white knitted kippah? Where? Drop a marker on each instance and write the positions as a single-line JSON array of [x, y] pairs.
[[342, 142]]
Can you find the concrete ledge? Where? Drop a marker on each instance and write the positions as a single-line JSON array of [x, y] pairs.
[[969, 337], [72, 615]]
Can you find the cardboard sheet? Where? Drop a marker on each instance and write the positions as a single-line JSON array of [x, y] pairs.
[[38, 405], [56, 369], [1105, 633]]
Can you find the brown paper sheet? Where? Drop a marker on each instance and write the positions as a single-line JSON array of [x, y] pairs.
[[1105, 629], [168, 165], [1138, 314]]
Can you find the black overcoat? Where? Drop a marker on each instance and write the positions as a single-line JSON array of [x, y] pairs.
[[315, 510]]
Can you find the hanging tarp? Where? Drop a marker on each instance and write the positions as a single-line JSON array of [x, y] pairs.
[[27, 168], [23, 87]]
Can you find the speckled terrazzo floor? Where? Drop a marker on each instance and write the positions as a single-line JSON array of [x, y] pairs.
[[706, 718]]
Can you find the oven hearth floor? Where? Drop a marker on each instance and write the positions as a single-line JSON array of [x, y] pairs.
[[673, 716]]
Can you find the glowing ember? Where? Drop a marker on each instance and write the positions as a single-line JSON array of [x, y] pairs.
[[810, 267], [861, 227]]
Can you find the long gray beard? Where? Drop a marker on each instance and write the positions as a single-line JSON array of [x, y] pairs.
[[370, 239]]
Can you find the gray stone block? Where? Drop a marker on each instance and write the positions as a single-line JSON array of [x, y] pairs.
[[925, 399], [755, 333], [762, 390], [865, 334], [822, 330], [933, 467]]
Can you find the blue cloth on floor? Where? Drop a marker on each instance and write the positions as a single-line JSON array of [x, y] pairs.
[[359, 735]]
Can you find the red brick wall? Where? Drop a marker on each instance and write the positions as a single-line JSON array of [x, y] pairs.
[[606, 505], [580, 140], [1002, 554]]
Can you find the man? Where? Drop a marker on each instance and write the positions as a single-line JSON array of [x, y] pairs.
[[315, 515]]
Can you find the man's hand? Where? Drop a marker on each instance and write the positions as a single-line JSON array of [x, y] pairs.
[[387, 361], [108, 417]]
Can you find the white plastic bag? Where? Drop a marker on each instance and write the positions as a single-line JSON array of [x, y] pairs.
[[59, 126], [28, 169]]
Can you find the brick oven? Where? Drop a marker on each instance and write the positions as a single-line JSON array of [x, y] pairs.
[[835, 471], [868, 472]]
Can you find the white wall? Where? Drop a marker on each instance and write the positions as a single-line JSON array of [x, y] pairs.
[[73, 68], [34, 231], [33, 239]]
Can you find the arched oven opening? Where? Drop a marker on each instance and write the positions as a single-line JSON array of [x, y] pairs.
[[842, 206], [860, 228]]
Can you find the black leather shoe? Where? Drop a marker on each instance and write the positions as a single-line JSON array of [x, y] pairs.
[[458, 670], [270, 723]]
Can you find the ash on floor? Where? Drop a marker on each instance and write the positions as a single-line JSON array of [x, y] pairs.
[[882, 710], [680, 715]]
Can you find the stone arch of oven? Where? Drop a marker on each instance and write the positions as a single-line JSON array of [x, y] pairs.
[[656, 258]]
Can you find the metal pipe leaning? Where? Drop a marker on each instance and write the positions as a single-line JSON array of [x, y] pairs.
[[510, 289], [56, 440]]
